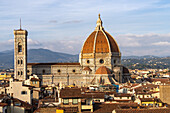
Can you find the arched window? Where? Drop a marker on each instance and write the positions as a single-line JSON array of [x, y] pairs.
[[21, 61], [19, 47], [21, 73], [114, 61], [18, 62], [43, 71], [18, 73]]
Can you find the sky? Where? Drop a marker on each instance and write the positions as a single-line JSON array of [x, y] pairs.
[[140, 27]]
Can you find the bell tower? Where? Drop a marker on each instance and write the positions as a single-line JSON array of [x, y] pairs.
[[20, 54]]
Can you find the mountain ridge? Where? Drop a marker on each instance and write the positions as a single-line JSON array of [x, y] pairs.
[[47, 56]]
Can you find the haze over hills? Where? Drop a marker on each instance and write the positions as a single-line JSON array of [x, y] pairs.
[[36, 56], [45, 56]]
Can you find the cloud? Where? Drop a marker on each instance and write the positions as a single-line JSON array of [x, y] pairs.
[[72, 21], [144, 44], [53, 21], [65, 46], [10, 41], [161, 44], [33, 42]]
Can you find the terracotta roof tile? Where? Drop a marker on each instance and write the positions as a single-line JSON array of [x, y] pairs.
[[53, 63], [93, 95], [103, 70], [122, 95], [87, 69], [103, 42], [70, 93], [162, 110], [35, 79]]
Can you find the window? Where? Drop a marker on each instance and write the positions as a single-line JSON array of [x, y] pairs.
[[65, 101], [59, 70], [18, 62], [19, 48], [21, 62], [101, 61], [18, 73], [34, 82], [43, 71], [75, 101], [23, 92], [21, 73], [88, 61], [17, 103], [114, 61], [74, 70]]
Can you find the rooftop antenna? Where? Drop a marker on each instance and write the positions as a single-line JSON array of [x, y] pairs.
[[20, 23]]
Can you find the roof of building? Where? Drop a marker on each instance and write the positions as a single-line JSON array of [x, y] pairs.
[[70, 93], [103, 70], [156, 110], [162, 80], [2, 96], [109, 107], [122, 95], [100, 41], [93, 95], [20, 103], [3, 104], [151, 100], [51, 98], [53, 63], [122, 100], [87, 69], [35, 79]]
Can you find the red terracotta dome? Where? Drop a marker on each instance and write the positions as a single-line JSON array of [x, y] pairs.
[[100, 41], [103, 70]]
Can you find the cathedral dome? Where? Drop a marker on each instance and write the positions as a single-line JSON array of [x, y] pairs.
[[100, 41]]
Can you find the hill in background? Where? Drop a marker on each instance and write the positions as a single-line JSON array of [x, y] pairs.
[[36, 56], [48, 56]]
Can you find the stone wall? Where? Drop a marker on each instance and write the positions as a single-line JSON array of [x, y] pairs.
[[164, 93]]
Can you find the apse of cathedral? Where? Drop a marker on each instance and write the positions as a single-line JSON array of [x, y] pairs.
[[99, 62]]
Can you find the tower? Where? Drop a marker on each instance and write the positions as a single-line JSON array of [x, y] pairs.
[[20, 54]]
